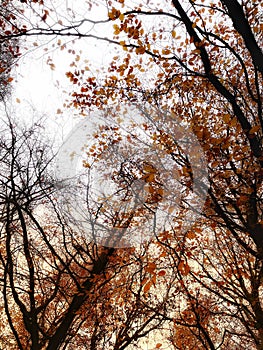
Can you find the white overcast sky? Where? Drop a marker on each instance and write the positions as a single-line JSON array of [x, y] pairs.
[[42, 91]]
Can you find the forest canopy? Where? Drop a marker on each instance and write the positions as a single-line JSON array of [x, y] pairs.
[[170, 255]]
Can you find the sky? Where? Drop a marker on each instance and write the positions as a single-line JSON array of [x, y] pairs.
[[40, 88]]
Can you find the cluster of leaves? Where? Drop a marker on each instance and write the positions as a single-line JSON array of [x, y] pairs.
[[195, 289], [9, 47]]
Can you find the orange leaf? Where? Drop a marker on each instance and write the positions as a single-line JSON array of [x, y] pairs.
[[116, 29], [147, 287], [254, 129], [114, 14], [151, 267], [191, 235], [149, 178], [149, 168], [166, 51], [140, 50], [184, 268], [162, 273]]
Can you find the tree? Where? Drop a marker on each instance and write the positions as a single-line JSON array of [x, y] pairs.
[[9, 49], [230, 130], [60, 289], [202, 62]]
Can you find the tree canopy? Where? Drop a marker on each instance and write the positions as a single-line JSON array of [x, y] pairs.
[[188, 65]]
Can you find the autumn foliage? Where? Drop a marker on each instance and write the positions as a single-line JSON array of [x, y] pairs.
[[196, 62]]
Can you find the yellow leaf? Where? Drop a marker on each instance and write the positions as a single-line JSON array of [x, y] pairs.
[[121, 17], [174, 34], [18, 100], [116, 29]]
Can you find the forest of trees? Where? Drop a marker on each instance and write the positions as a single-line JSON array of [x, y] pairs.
[[197, 63]]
